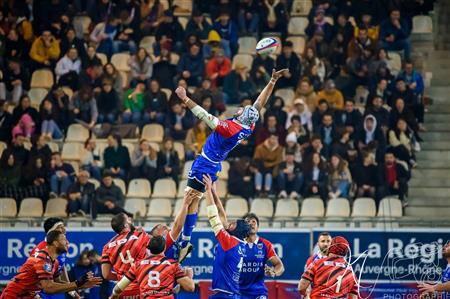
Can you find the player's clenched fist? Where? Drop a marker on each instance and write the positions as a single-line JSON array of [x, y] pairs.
[[181, 92], [189, 272]]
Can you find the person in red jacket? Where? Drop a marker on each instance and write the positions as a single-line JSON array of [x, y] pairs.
[[217, 68]]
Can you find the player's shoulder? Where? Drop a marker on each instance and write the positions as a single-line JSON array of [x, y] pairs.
[[266, 242], [42, 254]]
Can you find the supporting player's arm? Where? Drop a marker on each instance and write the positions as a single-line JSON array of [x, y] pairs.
[[85, 282], [265, 94], [210, 120], [303, 286], [178, 223], [426, 288], [211, 208], [107, 272], [120, 286], [278, 267], [186, 282], [219, 205]]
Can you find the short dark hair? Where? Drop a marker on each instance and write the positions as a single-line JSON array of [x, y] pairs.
[[288, 44], [322, 101], [324, 234], [118, 222], [107, 173], [50, 222], [152, 231], [251, 216], [157, 245], [53, 236]]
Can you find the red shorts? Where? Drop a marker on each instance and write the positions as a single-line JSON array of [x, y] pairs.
[[131, 292]]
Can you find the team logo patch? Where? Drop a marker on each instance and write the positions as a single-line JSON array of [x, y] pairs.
[[47, 267], [260, 246]]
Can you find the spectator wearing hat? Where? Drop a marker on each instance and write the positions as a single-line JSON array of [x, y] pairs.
[[270, 127], [294, 146], [332, 95], [394, 34], [290, 61], [248, 17], [290, 177], [81, 195], [300, 109], [6, 122], [371, 137], [393, 178], [191, 66], [44, 51], [238, 84], [214, 44], [68, 69], [109, 198], [199, 26], [320, 24], [350, 118], [218, 68], [17, 79], [227, 30]]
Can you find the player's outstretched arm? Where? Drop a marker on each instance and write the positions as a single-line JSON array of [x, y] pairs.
[[85, 282], [210, 120], [426, 288], [277, 269], [177, 226], [265, 94], [107, 272], [211, 208], [303, 286], [219, 205], [186, 282], [120, 286]]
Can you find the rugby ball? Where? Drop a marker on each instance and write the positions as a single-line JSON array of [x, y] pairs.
[[267, 46]]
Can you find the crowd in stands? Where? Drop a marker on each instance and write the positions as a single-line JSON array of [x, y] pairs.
[[320, 139]]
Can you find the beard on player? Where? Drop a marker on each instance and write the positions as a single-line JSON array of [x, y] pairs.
[[446, 251]]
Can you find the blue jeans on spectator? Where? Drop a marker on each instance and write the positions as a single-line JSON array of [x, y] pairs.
[[398, 45], [50, 127], [132, 117], [122, 46], [266, 177], [106, 47], [94, 171], [159, 118], [248, 26], [294, 184], [343, 188], [83, 204], [60, 185], [106, 118]]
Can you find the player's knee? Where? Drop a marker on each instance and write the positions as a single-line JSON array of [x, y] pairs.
[[195, 194]]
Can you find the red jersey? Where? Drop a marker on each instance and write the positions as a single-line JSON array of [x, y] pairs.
[[26, 284], [331, 277], [156, 276]]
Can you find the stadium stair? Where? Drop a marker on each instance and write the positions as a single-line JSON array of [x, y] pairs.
[[429, 192]]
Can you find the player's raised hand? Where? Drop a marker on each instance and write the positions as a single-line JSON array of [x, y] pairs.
[[208, 182], [88, 281], [278, 74], [426, 289], [190, 196], [181, 92], [269, 271], [189, 272]]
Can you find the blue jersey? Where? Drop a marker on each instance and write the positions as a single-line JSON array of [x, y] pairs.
[[172, 247], [227, 135], [257, 254], [446, 278], [227, 265]]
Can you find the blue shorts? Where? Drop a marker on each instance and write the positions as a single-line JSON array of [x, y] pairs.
[[254, 296], [200, 167], [221, 295]]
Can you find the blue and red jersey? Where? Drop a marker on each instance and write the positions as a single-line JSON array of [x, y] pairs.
[[227, 135], [227, 266], [446, 278], [257, 254]]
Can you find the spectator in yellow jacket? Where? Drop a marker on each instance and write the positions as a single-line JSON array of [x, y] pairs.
[[332, 95], [45, 50]]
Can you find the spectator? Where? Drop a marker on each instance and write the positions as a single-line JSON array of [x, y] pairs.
[[274, 17], [314, 68], [50, 128], [276, 108], [108, 103], [10, 172], [367, 7], [401, 111], [101, 11], [164, 70], [306, 91], [240, 178], [301, 133], [238, 84], [179, 121], [338, 55], [133, 104], [62, 175], [25, 127], [361, 43], [320, 24], [381, 90], [199, 26], [322, 108], [84, 107], [17, 79], [290, 61], [93, 77], [82, 266], [23, 108], [15, 46], [293, 146], [155, 103], [290, 177], [327, 133], [316, 177], [271, 127], [110, 72], [60, 101], [248, 17], [344, 27], [340, 178], [207, 91], [218, 68], [380, 60], [170, 32], [109, 198], [300, 109], [191, 66], [366, 176], [320, 46], [268, 155], [333, 96], [151, 14], [260, 77], [401, 142], [35, 177], [394, 34], [91, 58], [349, 118], [371, 137], [394, 179], [18, 150], [40, 148], [68, 68], [381, 114], [228, 32], [214, 44], [90, 159], [413, 79], [44, 51], [125, 33], [168, 161], [103, 36], [315, 146], [116, 157], [81, 195], [6, 122], [141, 68], [70, 41], [196, 139], [411, 100], [144, 162], [343, 146]]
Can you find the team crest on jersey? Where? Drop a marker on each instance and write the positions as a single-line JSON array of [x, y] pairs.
[[47, 267], [260, 246]]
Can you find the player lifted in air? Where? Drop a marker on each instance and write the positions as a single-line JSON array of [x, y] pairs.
[[156, 275], [258, 251], [40, 271], [332, 276], [226, 135], [229, 253]]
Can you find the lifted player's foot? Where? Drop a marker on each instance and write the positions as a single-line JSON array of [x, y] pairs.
[[184, 252]]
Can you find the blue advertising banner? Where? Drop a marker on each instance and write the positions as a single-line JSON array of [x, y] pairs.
[[292, 246]]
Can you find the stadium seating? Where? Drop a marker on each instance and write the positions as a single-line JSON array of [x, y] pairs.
[[247, 45], [121, 184], [136, 206], [147, 43], [225, 169], [42, 78], [3, 146], [263, 207], [103, 58], [236, 207], [81, 25], [179, 148], [139, 188], [31, 207], [286, 212], [301, 7], [159, 208], [298, 43], [297, 25], [186, 169], [165, 188], [95, 182], [8, 208], [390, 207], [287, 95], [71, 151], [36, 96], [312, 211], [338, 210], [221, 189], [77, 133], [121, 61], [422, 24], [56, 207], [153, 133], [244, 59]]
